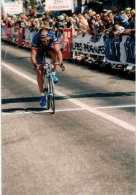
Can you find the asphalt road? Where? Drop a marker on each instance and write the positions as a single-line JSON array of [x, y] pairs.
[[86, 148]]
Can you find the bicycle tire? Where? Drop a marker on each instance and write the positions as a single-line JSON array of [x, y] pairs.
[[51, 95], [47, 94], [48, 102]]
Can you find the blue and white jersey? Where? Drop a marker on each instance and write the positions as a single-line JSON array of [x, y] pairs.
[[37, 45]]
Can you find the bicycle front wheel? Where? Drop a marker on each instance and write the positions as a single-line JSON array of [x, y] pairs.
[[51, 96]]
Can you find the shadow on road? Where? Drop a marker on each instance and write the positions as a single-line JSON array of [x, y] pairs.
[[12, 110], [37, 99]]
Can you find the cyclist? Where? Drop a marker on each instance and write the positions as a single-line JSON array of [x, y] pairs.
[[45, 41]]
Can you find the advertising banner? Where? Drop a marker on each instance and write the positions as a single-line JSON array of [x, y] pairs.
[[122, 51], [11, 8], [85, 44], [53, 5], [67, 43]]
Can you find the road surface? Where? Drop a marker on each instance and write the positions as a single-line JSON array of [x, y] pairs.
[[86, 148]]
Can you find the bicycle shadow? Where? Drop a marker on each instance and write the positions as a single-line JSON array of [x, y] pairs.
[[27, 110], [57, 98], [87, 95]]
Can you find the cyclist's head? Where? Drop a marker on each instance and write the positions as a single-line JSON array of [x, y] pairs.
[[42, 30], [44, 36]]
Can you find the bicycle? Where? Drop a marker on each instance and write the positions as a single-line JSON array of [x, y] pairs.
[[49, 86]]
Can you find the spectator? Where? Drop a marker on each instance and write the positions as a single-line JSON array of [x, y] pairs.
[[82, 20], [31, 11], [86, 6], [83, 25], [40, 8], [86, 16], [75, 19], [111, 16], [106, 20], [99, 25], [132, 21]]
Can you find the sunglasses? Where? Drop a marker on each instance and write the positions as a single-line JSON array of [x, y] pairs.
[[44, 40]]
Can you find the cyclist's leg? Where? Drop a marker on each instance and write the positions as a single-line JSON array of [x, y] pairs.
[[54, 58], [40, 82]]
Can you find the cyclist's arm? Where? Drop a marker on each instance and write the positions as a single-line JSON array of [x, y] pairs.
[[37, 66], [34, 48], [56, 47], [58, 52]]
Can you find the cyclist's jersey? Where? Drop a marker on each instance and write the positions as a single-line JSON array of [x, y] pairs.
[[37, 45]]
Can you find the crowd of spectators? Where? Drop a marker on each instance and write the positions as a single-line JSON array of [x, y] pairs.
[[112, 22]]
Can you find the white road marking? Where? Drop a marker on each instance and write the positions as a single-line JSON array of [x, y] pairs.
[[83, 106], [120, 106]]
